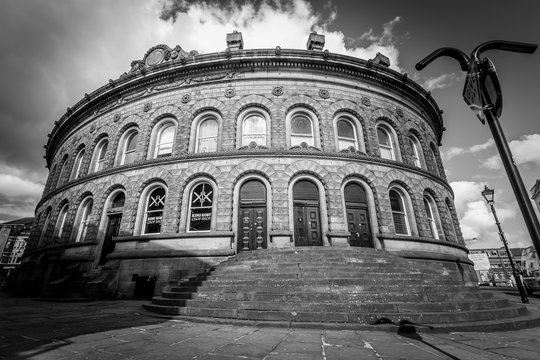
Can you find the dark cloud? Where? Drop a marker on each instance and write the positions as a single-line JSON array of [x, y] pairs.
[[172, 8]]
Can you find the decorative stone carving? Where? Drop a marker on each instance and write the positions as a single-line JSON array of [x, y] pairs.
[[92, 128], [253, 146], [147, 107], [325, 94], [116, 117], [277, 91], [186, 98], [366, 101], [159, 54], [230, 92], [278, 50], [304, 146], [399, 112]]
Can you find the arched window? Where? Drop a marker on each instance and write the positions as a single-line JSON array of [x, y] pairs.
[[153, 216], [207, 135], [399, 212], [429, 206], [164, 140], [200, 207], [77, 165], [435, 161], [386, 142], [98, 161], [82, 219], [62, 171], [302, 129], [129, 146], [347, 134], [254, 129], [416, 151], [60, 223], [44, 228], [451, 215]]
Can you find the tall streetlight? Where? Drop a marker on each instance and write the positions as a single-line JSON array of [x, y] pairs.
[[482, 92], [489, 195]]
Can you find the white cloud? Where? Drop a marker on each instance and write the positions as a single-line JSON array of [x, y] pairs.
[[526, 150], [14, 186], [456, 151], [442, 81], [475, 217], [203, 27]]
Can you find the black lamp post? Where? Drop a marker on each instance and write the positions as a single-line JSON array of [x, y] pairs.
[[489, 195], [482, 92]]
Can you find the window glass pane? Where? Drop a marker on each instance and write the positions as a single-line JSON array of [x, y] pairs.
[[154, 211], [83, 220], [383, 137], [254, 129], [354, 193], [103, 149], [60, 223], [77, 165], [165, 142], [395, 201], [415, 151], [345, 129], [208, 127], [300, 124], [131, 142], [101, 152], [207, 136], [399, 215], [254, 125], [200, 213], [130, 145]]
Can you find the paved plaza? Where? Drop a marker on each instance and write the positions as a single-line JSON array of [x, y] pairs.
[[31, 329]]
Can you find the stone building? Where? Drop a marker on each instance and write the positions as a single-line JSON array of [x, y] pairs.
[[13, 237], [189, 159]]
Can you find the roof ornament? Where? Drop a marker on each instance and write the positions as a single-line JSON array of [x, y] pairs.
[[235, 41], [315, 41], [160, 54]]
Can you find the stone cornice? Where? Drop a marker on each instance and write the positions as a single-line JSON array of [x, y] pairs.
[[257, 153], [145, 81]]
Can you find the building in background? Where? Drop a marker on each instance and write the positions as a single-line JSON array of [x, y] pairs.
[[530, 262], [13, 237], [493, 266]]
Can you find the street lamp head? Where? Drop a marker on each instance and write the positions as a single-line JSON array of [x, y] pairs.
[[488, 194]]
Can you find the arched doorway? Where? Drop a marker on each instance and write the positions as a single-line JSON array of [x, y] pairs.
[[252, 216], [114, 217], [307, 224], [357, 212]]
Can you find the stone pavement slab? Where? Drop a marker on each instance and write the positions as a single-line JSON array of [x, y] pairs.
[[106, 330]]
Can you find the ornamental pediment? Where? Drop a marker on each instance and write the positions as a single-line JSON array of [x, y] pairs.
[[159, 54]]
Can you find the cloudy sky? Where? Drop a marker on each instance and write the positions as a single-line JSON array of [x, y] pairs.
[[54, 51]]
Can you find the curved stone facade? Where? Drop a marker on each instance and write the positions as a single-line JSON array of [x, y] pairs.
[[293, 147]]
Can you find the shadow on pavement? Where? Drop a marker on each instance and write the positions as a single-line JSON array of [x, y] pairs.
[[31, 329]]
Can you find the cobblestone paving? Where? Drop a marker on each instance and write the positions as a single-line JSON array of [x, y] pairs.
[[32, 329]]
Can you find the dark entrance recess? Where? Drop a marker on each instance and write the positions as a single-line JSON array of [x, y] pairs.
[[357, 216], [114, 215], [307, 224], [252, 216]]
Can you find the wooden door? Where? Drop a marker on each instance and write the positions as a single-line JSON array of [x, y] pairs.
[[112, 231], [252, 228], [358, 224], [307, 226]]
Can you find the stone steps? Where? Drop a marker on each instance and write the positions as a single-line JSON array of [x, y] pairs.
[[346, 285], [341, 317]]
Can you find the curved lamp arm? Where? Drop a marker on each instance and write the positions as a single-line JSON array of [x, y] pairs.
[[454, 53]]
